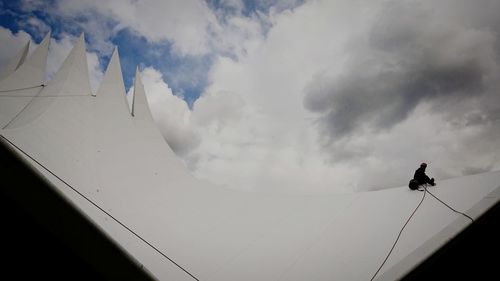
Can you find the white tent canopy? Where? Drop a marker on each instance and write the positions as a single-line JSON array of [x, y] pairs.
[[116, 168], [16, 62], [17, 88]]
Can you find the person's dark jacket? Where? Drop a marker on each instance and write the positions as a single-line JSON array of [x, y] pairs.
[[421, 177]]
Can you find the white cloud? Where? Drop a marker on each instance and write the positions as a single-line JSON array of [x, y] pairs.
[[255, 133], [171, 113], [95, 71], [269, 141], [35, 24], [189, 25], [250, 129], [184, 23]]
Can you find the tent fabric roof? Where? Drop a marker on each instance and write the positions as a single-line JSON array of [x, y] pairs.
[[17, 88], [16, 62], [30, 74], [180, 228], [73, 76]]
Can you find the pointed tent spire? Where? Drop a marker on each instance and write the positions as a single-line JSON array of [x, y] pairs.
[[31, 73], [112, 86], [140, 106], [16, 62], [72, 78]]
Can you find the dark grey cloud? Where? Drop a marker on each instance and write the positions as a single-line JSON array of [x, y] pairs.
[[413, 53]]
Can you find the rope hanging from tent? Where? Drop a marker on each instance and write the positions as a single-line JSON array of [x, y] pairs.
[[20, 89], [458, 212], [399, 235], [425, 190]]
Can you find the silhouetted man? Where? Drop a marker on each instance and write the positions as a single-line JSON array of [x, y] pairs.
[[421, 177]]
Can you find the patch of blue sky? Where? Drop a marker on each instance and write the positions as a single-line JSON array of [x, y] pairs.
[[9, 16], [16, 17], [251, 7], [186, 75], [264, 6], [224, 9], [256, 6], [13, 17]]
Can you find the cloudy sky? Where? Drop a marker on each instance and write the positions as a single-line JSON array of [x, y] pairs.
[[333, 95]]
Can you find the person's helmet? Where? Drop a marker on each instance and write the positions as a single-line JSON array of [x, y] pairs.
[[423, 165]]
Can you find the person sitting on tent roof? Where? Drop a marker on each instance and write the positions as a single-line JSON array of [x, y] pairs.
[[421, 177]]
